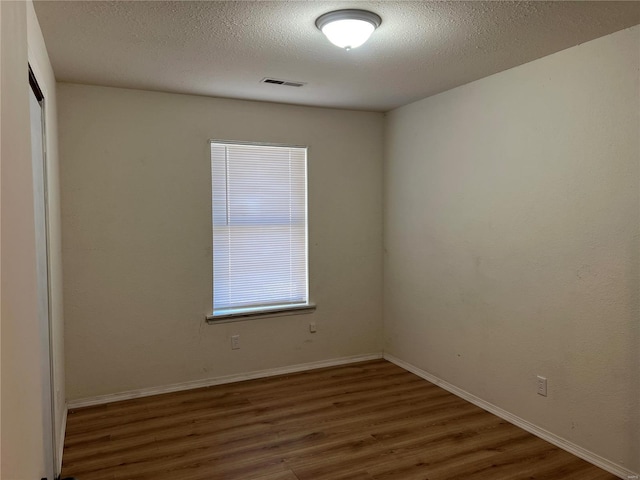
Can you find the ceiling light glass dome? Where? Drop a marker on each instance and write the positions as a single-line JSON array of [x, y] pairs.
[[348, 28]]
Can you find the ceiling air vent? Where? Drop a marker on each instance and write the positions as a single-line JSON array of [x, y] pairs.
[[286, 83]]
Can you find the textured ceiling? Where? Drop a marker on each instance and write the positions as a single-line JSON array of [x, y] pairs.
[[224, 49]]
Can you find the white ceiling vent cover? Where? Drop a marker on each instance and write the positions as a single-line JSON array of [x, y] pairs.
[[286, 83]]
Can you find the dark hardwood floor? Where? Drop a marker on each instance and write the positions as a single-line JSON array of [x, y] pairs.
[[365, 421]]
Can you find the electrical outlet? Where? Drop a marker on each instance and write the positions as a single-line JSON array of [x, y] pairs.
[[235, 342], [542, 386], [312, 327]]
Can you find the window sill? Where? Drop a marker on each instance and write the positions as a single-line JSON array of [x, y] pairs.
[[281, 311]]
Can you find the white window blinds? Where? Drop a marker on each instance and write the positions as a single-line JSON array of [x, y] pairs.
[[259, 226]]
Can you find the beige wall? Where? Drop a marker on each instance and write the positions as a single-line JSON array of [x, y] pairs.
[[21, 428], [512, 213], [135, 176], [22, 434]]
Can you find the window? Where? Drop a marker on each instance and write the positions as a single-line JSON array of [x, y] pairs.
[[259, 229]]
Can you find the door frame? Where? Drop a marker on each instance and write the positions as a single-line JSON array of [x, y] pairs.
[[39, 95]]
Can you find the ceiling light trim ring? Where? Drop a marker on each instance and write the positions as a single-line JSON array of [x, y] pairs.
[[348, 14]]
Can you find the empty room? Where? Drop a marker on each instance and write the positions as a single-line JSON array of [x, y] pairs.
[[320, 240]]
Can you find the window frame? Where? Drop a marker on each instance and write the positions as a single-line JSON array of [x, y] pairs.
[[279, 310]]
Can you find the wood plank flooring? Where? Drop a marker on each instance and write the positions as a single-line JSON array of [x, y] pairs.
[[365, 421]]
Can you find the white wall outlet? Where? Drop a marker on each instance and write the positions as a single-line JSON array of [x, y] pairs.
[[235, 342], [312, 327], [542, 386]]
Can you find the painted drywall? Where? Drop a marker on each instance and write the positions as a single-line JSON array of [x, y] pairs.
[[21, 432], [22, 439], [421, 47], [41, 66], [511, 237], [136, 207]]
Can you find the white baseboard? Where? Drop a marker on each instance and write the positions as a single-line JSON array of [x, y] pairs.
[[560, 442], [208, 382], [63, 431]]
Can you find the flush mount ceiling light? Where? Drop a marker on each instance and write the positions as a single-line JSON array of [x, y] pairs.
[[348, 28]]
